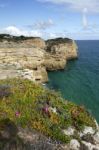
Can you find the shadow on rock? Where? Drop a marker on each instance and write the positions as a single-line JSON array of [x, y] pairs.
[[8, 136]]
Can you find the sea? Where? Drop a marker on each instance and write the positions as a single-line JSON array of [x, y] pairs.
[[79, 81]]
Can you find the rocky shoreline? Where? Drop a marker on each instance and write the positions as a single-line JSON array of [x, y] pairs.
[[31, 57]]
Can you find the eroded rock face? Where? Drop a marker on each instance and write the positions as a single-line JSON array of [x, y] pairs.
[[64, 47], [25, 42], [31, 57], [23, 62], [58, 51], [37, 42], [13, 137]]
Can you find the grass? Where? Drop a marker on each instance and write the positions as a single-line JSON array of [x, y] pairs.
[[30, 105]]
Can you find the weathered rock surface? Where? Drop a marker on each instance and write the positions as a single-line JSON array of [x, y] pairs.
[[16, 138], [25, 42], [74, 145], [23, 62], [58, 52], [31, 57]]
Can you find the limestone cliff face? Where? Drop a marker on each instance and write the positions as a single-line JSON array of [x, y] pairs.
[[58, 51], [27, 43], [31, 57], [37, 42], [23, 62]]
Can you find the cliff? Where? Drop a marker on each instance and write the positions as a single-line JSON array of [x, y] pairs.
[[33, 117], [58, 52], [30, 57]]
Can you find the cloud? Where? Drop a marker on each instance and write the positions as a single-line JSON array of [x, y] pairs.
[[77, 5], [42, 25], [84, 18], [92, 32], [13, 30]]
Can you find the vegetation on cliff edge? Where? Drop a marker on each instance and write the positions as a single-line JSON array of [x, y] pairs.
[[30, 105], [11, 38]]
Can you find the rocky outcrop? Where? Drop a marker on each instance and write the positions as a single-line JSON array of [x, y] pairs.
[[58, 52], [17, 138], [31, 57], [64, 47]]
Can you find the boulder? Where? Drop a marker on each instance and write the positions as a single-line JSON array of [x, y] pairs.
[[88, 138], [88, 146], [96, 137], [69, 131], [74, 145], [87, 130]]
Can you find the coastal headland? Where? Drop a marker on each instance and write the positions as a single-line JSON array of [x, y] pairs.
[[33, 117], [31, 57]]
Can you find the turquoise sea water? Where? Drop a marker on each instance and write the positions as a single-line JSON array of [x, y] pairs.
[[79, 82]]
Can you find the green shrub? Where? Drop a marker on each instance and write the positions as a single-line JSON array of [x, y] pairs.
[[27, 104]]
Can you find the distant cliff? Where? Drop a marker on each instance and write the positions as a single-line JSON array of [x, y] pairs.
[[30, 57], [59, 51]]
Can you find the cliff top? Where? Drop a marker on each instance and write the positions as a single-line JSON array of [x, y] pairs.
[[30, 105], [11, 38], [58, 41], [8, 41]]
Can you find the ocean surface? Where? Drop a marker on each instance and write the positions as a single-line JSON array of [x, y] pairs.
[[79, 82]]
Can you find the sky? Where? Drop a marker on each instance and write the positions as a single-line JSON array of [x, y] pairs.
[[76, 19]]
